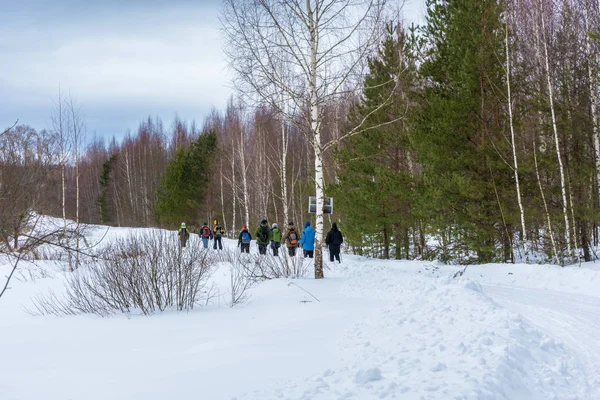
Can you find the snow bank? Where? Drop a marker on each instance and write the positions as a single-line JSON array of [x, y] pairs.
[[381, 329], [433, 340], [584, 279]]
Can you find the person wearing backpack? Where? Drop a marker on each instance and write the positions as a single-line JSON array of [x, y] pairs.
[[291, 239], [263, 236], [206, 234], [307, 241], [334, 240], [184, 235], [244, 240], [217, 233], [276, 239]]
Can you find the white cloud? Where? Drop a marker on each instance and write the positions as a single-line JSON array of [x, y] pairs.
[[154, 58]]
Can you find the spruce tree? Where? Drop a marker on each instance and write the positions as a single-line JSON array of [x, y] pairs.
[[374, 181], [459, 131], [103, 205], [184, 185]]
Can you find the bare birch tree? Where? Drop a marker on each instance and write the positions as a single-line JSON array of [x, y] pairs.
[[77, 132], [548, 72], [60, 126], [514, 146], [592, 62], [325, 43]]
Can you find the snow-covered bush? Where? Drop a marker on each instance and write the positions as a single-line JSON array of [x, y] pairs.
[[246, 270], [147, 273]]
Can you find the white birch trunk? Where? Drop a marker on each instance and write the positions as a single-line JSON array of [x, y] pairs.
[[242, 154], [556, 141], [233, 187], [144, 180], [514, 151], [548, 220], [315, 127], [77, 212], [593, 99], [129, 184], [222, 194], [283, 172]]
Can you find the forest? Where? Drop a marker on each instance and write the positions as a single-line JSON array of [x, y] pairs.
[[473, 138]]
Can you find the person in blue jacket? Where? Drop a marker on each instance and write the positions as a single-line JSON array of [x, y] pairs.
[[307, 241]]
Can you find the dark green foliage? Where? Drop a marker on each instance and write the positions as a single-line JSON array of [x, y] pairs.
[[375, 179], [459, 129], [185, 182], [103, 209]]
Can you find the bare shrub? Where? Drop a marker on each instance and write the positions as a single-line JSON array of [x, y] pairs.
[[147, 272], [246, 270]]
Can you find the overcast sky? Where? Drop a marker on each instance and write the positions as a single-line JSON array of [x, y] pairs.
[[121, 60]]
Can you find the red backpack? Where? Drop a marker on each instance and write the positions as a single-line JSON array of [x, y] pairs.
[[205, 232]]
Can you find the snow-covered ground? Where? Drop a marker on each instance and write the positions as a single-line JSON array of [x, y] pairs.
[[381, 329]]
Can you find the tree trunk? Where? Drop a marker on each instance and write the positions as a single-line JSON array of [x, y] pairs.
[[556, 139], [233, 188], [548, 219], [315, 127], [593, 94], [283, 172], [514, 151]]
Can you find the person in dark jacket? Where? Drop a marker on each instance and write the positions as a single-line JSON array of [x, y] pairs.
[[244, 239], [291, 239], [307, 241], [263, 236], [218, 232], [206, 234], [334, 239]]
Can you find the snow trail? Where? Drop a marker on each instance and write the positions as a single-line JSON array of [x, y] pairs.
[[427, 337], [569, 318]]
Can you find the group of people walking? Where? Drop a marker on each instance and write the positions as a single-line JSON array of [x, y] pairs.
[[205, 233], [265, 236]]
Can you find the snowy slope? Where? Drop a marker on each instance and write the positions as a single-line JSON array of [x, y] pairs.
[[382, 329]]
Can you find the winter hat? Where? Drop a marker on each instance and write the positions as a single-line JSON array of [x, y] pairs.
[[307, 224], [264, 221], [183, 224], [244, 227], [206, 223], [274, 226], [334, 226]]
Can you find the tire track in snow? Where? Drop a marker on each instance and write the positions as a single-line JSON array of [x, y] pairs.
[[572, 319]]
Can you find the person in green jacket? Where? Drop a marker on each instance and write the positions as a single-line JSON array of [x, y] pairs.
[[263, 236], [276, 239]]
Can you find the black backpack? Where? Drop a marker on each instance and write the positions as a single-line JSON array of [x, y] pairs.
[[264, 234]]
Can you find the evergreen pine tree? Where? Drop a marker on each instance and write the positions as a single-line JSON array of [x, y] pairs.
[[459, 132], [103, 205], [183, 186], [374, 181]]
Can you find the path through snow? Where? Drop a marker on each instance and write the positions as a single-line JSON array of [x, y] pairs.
[[569, 318], [435, 339]]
